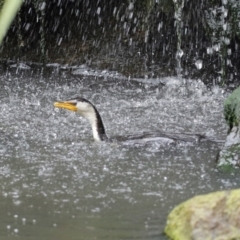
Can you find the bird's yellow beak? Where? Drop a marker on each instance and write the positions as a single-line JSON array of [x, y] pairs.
[[67, 105]]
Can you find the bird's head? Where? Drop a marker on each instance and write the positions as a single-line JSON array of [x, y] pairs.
[[80, 105], [88, 111]]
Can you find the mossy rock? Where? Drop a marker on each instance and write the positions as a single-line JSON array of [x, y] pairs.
[[232, 109], [211, 216], [229, 158]]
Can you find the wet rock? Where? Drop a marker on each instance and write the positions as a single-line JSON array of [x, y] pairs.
[[232, 109], [214, 216], [229, 156]]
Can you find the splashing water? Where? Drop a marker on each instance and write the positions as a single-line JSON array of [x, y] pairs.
[[54, 175]]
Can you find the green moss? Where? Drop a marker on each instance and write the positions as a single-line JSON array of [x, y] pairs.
[[229, 158], [215, 214], [226, 168], [232, 109]]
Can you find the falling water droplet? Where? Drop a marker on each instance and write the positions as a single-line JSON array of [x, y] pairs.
[[229, 63], [225, 27], [224, 2], [24, 221], [227, 41], [130, 7], [43, 5], [209, 50], [60, 41], [199, 64], [98, 10], [180, 53], [216, 47]]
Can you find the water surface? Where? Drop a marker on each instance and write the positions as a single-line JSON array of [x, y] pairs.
[[57, 183]]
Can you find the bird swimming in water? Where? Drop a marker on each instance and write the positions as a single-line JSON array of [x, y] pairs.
[[87, 110]]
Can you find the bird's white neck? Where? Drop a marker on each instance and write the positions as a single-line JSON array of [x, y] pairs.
[[96, 122]]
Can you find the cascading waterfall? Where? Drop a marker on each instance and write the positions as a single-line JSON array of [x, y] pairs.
[[223, 26], [19, 35], [178, 6], [216, 19], [42, 18], [210, 28]]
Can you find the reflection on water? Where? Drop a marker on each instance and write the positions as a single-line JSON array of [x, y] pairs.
[[56, 183]]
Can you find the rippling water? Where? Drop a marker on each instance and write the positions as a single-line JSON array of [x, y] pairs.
[[56, 183]]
